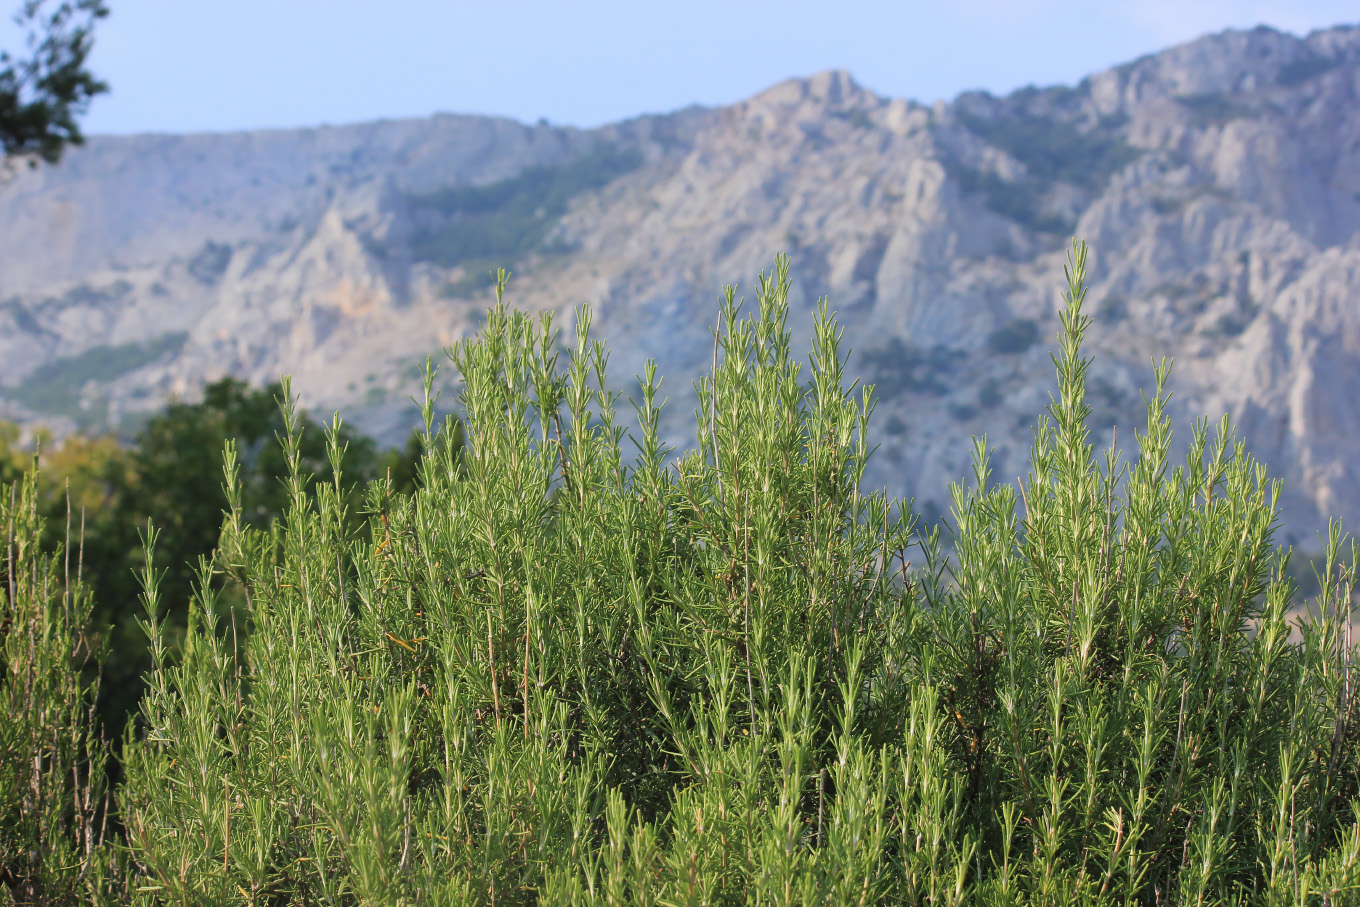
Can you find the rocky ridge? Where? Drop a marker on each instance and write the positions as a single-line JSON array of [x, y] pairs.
[[1218, 184]]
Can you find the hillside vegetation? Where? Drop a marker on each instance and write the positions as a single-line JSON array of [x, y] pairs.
[[559, 671]]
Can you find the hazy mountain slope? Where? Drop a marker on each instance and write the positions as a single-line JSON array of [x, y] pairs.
[[1218, 182]]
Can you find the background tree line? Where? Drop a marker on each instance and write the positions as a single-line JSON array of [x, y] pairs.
[[100, 493]]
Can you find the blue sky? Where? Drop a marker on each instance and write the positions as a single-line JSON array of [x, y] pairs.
[[194, 65]]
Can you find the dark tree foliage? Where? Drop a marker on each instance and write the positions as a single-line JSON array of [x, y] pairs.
[[1013, 337], [179, 468], [1053, 150], [12, 462], [476, 226], [43, 93], [171, 478]]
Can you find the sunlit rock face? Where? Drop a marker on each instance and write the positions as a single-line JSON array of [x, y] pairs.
[[1217, 182]]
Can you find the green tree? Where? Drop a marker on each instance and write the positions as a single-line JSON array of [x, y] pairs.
[[171, 478], [98, 495], [44, 93], [13, 462]]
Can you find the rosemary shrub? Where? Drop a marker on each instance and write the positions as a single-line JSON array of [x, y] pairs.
[[54, 797], [560, 672]]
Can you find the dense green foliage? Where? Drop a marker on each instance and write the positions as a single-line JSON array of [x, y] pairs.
[[170, 476], [53, 787], [555, 673], [41, 95], [13, 464]]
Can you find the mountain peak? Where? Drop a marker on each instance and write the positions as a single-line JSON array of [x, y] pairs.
[[1237, 61], [830, 87]]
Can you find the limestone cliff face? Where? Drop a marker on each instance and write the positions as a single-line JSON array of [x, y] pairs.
[[1218, 184]]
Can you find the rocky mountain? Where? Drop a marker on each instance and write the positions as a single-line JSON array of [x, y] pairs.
[[1218, 183]]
